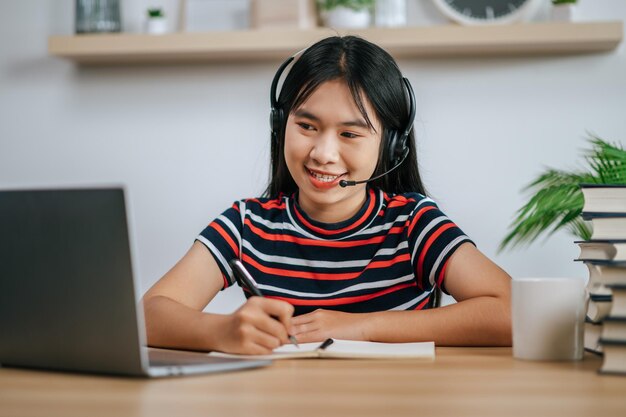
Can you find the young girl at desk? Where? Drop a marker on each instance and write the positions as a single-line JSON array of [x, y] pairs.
[[335, 256]]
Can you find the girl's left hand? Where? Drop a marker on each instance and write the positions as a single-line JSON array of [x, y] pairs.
[[320, 324]]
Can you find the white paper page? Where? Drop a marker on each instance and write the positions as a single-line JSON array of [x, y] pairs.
[[302, 347], [348, 349], [304, 350], [359, 349]]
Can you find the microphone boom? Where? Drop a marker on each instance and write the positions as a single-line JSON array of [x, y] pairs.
[[344, 183]]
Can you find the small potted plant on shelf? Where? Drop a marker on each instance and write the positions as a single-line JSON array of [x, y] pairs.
[[156, 23], [346, 13], [557, 199], [564, 10]]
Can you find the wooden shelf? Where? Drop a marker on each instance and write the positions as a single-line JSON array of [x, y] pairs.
[[433, 41]]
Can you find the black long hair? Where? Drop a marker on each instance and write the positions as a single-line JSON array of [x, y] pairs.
[[370, 72]]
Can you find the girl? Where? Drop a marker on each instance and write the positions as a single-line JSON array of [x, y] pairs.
[[335, 257]]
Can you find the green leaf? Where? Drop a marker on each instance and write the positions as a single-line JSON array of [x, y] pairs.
[[556, 200], [155, 12]]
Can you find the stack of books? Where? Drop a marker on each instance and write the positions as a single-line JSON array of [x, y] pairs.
[[613, 339], [605, 257]]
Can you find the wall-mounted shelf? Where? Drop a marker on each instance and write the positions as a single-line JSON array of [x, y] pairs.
[[432, 41]]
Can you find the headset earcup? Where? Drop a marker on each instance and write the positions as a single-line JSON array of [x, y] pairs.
[[392, 143], [276, 122]]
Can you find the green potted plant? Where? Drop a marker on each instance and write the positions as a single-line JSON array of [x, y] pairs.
[[156, 22], [557, 200], [346, 13]]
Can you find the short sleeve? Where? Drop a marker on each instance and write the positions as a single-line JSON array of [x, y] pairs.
[[432, 238], [222, 237]]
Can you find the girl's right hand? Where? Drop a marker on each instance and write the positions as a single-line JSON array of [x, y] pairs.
[[257, 327]]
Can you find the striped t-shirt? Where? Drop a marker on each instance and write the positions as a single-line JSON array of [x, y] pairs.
[[389, 256]]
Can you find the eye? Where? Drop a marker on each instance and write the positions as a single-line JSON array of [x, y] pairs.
[[305, 126], [349, 135]]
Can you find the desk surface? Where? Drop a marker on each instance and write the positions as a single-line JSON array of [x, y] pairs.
[[461, 381]]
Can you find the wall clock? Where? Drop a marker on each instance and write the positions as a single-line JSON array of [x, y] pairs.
[[485, 12]]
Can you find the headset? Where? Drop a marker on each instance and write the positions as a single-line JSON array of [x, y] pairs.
[[396, 141]]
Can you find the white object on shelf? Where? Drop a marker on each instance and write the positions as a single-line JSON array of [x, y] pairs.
[[283, 14], [565, 12], [211, 15], [156, 25], [346, 18], [390, 13]]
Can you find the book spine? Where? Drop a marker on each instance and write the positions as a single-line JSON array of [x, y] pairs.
[[590, 215]]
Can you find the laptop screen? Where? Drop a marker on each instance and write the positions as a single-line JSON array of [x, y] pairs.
[[67, 296]]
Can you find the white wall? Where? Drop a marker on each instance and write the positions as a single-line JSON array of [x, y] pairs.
[[188, 140]]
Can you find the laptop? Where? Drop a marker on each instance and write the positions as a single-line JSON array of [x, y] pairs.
[[67, 289]]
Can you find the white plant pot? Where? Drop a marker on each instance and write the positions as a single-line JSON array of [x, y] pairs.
[[343, 17], [565, 13], [156, 25], [390, 13]]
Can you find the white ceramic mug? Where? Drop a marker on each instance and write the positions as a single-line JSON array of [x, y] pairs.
[[548, 317]]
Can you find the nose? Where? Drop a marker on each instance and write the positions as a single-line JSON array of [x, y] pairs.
[[325, 149]]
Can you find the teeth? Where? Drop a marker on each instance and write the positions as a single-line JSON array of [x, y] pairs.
[[323, 178]]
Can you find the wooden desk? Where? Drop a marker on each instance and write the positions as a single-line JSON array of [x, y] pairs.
[[460, 382]]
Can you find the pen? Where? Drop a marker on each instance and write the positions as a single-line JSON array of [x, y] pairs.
[[326, 343], [245, 280]]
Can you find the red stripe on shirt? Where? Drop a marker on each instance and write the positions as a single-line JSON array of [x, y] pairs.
[[323, 276], [442, 274], [344, 300], [418, 215], [270, 204], [354, 225], [427, 246], [314, 242], [399, 202], [423, 303], [227, 238]]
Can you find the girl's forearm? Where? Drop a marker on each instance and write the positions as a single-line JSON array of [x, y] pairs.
[[479, 321], [170, 324]]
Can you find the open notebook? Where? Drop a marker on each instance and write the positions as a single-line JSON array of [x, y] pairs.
[[348, 349]]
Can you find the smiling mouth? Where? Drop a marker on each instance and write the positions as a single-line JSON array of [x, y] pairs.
[[323, 177]]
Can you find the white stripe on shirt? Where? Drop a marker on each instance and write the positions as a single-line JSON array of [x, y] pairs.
[[442, 255], [217, 254]]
